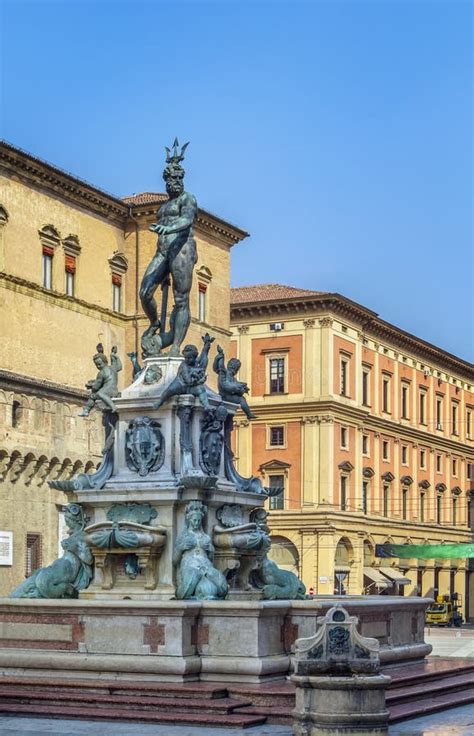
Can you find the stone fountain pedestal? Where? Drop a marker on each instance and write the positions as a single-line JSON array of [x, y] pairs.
[[128, 622], [160, 465]]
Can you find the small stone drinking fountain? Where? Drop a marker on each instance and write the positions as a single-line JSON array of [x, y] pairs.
[[339, 688]]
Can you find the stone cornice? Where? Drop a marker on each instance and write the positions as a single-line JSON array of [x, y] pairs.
[[15, 283], [38, 173], [346, 413], [40, 387], [343, 522], [368, 321], [33, 171]]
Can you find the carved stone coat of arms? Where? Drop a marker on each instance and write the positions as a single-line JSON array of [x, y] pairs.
[[144, 446]]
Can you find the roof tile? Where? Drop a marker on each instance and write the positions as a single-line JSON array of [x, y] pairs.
[[146, 198], [267, 293]]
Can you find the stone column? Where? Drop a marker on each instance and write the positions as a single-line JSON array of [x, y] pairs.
[[326, 460], [312, 349], [326, 365], [326, 552], [309, 460]]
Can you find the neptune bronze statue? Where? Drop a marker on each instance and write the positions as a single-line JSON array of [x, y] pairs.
[[175, 256]]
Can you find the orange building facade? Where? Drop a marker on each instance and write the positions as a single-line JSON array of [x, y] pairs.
[[367, 431]]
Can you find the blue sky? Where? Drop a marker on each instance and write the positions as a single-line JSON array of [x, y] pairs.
[[339, 134]]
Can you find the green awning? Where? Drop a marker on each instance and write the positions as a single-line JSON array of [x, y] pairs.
[[425, 551]]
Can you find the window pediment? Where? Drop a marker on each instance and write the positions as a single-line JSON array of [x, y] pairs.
[[388, 477], [119, 263], [406, 480], [49, 236], [441, 487], [368, 472], [425, 484], [71, 246], [274, 465], [346, 466]]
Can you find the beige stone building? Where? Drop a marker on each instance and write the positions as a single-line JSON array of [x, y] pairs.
[[71, 261], [369, 433]]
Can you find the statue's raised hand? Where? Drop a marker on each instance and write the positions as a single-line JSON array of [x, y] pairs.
[[207, 339]]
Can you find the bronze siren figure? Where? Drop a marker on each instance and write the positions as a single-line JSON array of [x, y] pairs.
[[175, 256]]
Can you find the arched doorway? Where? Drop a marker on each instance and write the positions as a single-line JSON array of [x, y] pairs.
[[342, 565], [285, 554]]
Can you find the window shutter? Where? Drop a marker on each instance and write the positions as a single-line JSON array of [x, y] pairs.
[[48, 250], [70, 264], [117, 279]]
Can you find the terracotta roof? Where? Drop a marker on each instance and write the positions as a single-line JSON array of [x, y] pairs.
[[267, 293], [145, 198]]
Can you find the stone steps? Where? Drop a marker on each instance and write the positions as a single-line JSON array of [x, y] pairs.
[[200, 704], [415, 690], [451, 684], [429, 705], [102, 700], [89, 685], [233, 720]]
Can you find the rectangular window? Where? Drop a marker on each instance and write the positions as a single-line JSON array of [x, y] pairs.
[[385, 450], [455, 466], [277, 486], [422, 407], [365, 386], [70, 265], [422, 506], [344, 441], [423, 459], [469, 471], [454, 418], [405, 400], [365, 444], [468, 424], [202, 293], [438, 463], [386, 492], [439, 515], [439, 413], [47, 266], [404, 455], [116, 292], [386, 394], [343, 493], [455, 511], [277, 436], [365, 489], [69, 283], [33, 553], [404, 503], [344, 376], [277, 375]]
